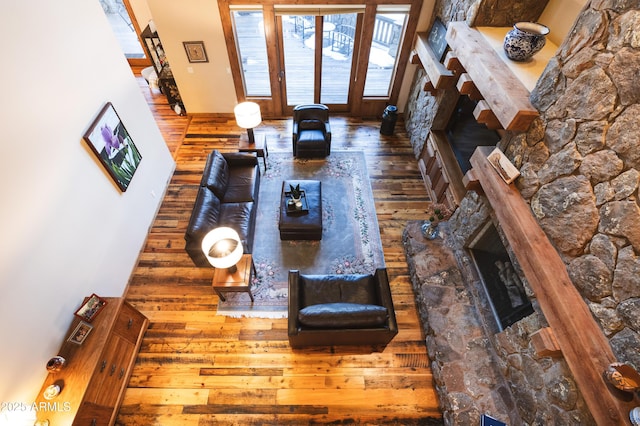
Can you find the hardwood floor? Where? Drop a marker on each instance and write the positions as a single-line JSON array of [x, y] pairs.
[[198, 368]]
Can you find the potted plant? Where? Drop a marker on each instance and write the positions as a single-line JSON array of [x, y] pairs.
[[296, 192]]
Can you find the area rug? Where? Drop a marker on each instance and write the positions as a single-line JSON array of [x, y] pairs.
[[350, 236]]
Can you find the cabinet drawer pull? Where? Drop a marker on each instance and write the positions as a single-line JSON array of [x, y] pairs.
[[103, 366], [130, 324], [121, 373], [94, 422], [113, 370]]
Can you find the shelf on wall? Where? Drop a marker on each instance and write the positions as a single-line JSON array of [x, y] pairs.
[[528, 72], [502, 89]]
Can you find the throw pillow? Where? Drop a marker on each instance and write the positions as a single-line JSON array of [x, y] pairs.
[[311, 125], [216, 174], [343, 315]]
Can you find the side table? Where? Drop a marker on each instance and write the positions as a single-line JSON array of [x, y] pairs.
[[259, 147], [238, 281]]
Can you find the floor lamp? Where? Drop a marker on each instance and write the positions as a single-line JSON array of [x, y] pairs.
[[248, 116]]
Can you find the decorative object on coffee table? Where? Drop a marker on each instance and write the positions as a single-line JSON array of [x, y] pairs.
[[223, 248], [296, 200]]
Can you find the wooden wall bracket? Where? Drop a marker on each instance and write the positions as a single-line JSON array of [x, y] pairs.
[[545, 344], [441, 77]]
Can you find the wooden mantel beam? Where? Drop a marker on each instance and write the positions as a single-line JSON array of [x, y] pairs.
[[507, 97], [584, 346]]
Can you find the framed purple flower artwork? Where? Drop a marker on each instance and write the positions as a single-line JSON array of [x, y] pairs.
[[109, 140]]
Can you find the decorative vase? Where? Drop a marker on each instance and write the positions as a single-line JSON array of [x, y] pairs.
[[56, 363], [429, 230], [525, 40]]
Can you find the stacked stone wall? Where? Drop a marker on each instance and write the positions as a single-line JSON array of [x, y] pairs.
[[580, 165], [580, 173]]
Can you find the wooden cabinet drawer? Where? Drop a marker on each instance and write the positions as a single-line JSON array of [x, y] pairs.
[[129, 323], [91, 414], [111, 372]]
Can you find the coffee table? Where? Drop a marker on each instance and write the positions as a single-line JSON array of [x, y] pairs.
[[303, 225]]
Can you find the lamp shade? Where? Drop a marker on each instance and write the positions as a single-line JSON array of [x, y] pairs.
[[247, 115], [222, 247]]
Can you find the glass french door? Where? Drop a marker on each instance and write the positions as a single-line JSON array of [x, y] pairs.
[[317, 58], [124, 28], [343, 55]]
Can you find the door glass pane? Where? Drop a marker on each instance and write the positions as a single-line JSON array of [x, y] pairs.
[[299, 41], [338, 32], [252, 48], [123, 28], [387, 35]]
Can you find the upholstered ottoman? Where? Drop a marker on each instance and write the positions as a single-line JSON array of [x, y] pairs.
[[307, 223]]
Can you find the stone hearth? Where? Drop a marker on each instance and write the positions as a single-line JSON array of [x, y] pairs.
[[478, 369], [464, 363]]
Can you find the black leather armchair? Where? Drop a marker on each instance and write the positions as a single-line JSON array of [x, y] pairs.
[[311, 131], [345, 309]]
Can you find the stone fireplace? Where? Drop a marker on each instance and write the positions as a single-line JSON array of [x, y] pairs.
[[502, 285], [580, 172]]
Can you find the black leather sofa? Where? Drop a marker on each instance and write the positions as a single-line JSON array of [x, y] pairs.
[[327, 310], [227, 196]]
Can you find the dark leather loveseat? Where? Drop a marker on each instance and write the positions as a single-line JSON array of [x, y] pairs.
[[227, 196], [329, 310]]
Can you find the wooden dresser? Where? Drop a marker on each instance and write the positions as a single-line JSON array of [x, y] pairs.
[[96, 373]]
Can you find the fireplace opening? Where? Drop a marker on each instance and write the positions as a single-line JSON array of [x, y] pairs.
[[501, 283], [465, 133]]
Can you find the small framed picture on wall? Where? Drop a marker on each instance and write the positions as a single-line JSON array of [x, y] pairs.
[[195, 51]]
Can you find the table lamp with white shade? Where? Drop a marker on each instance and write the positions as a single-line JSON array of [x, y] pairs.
[[222, 248], [248, 116]]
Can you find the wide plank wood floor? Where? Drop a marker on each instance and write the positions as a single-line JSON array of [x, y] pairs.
[[198, 368]]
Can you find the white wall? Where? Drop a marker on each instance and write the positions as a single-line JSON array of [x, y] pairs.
[[141, 12], [66, 229], [559, 16], [204, 87]]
